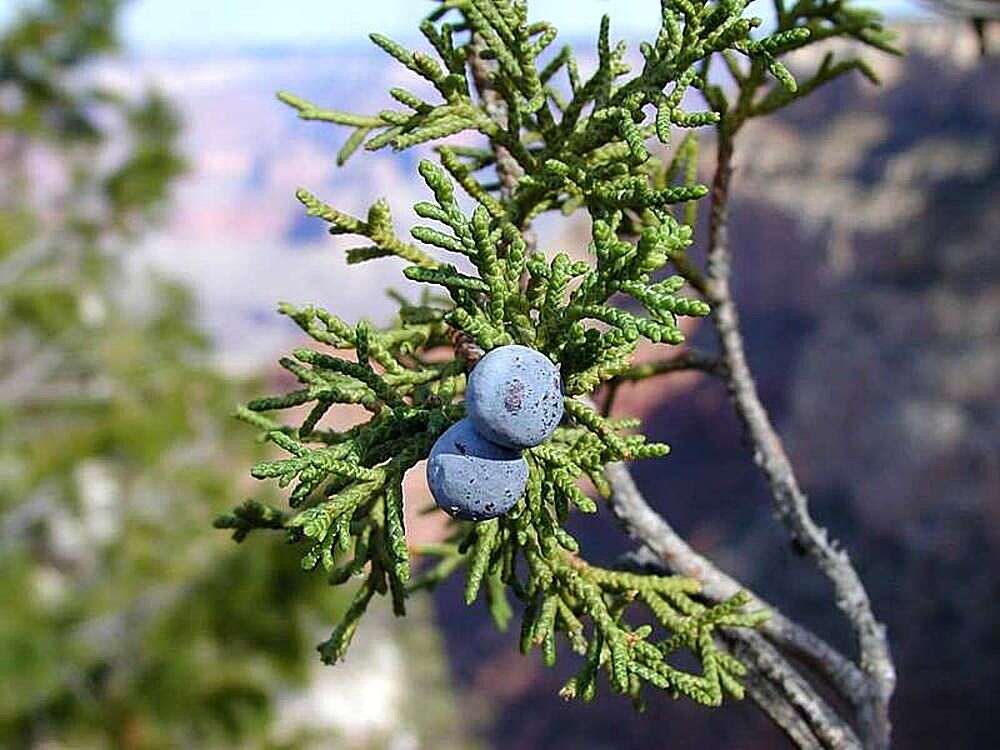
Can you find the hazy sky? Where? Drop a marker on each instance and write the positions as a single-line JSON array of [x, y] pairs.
[[173, 24]]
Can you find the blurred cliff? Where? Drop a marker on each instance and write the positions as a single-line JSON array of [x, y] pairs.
[[866, 239]]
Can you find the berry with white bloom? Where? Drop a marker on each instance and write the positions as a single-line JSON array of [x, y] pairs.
[[472, 478], [514, 397]]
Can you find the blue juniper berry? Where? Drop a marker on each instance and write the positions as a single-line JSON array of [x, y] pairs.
[[472, 478], [514, 397]]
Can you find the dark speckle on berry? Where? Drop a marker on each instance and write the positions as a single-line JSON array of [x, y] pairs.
[[514, 397], [472, 478]]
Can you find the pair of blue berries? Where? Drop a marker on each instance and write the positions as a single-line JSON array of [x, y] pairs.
[[513, 401]]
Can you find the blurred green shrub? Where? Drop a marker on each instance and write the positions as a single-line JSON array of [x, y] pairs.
[[125, 621]]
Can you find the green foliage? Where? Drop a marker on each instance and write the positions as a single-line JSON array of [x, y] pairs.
[[45, 43], [805, 23], [584, 144], [124, 622]]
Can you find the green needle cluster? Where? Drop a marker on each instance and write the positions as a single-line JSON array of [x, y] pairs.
[[554, 140]]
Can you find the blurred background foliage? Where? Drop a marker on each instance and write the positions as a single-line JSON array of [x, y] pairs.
[[126, 620]]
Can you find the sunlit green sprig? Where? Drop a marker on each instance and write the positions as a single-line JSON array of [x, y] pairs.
[[587, 604], [578, 144], [800, 24], [583, 144]]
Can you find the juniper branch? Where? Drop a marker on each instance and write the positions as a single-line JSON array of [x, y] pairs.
[[583, 151]]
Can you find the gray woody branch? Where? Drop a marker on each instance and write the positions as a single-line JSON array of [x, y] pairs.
[[774, 682], [790, 502]]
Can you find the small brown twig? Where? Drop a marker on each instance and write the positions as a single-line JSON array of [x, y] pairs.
[[686, 360]]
